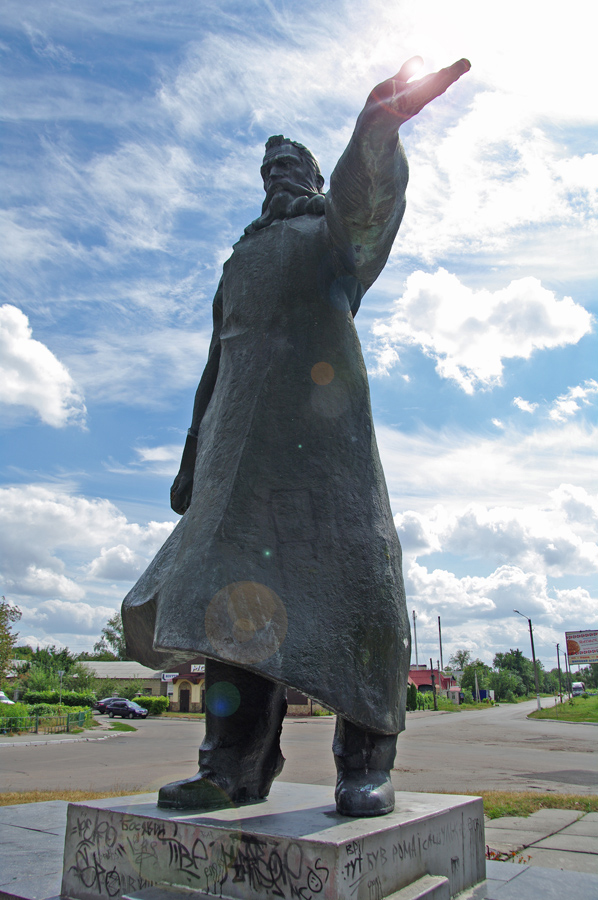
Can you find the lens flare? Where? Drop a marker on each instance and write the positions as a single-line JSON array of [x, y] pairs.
[[246, 622], [223, 699], [322, 373]]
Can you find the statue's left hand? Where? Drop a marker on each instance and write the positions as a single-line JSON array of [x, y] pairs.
[[402, 99]]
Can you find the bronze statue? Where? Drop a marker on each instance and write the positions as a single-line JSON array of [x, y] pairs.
[[285, 569]]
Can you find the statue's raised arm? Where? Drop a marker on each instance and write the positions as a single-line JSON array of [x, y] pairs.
[[366, 200]]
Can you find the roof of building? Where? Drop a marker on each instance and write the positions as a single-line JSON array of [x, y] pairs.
[[128, 670], [423, 676]]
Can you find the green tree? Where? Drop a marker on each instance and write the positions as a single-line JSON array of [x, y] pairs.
[[589, 675], [113, 638], [40, 672], [469, 676], [412, 698], [505, 683], [515, 661], [99, 656], [129, 691], [460, 659], [9, 614]]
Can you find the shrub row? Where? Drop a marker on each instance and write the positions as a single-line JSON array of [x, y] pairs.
[[154, 705], [69, 698], [10, 710], [17, 710]]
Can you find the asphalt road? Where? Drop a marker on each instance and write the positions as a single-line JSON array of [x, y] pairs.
[[495, 749]]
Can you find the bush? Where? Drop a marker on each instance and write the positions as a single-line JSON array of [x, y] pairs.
[[42, 709], [154, 705], [510, 697], [412, 698], [9, 710], [12, 717], [467, 696], [69, 698]]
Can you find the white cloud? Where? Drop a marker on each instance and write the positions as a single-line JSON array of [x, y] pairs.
[[544, 541], [141, 369], [117, 563], [31, 376], [65, 618], [578, 507], [42, 581], [55, 544], [470, 333], [524, 405], [139, 188], [573, 400], [479, 597], [510, 468], [483, 179], [164, 460]]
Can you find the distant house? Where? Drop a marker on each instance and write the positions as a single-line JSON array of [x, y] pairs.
[[422, 678], [126, 673]]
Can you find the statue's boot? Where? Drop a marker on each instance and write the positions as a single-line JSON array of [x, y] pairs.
[[363, 763], [240, 756]]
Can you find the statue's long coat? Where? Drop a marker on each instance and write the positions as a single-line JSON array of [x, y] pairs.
[[287, 561]]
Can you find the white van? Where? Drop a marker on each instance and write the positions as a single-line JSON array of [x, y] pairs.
[[578, 688]]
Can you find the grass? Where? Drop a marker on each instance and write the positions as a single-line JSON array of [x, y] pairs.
[[180, 715], [524, 803], [496, 803], [580, 709], [10, 798], [122, 726]]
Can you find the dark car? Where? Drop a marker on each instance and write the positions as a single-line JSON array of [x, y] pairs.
[[127, 709], [102, 704]]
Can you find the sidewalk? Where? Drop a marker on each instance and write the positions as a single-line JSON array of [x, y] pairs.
[[100, 732], [546, 843]]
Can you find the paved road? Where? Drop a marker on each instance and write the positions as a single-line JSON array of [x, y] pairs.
[[496, 748]]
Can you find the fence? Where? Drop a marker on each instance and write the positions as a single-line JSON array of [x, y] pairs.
[[48, 724]]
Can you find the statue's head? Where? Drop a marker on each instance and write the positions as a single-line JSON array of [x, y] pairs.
[[289, 166]]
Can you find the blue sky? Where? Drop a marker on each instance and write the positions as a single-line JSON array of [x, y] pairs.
[[131, 148]]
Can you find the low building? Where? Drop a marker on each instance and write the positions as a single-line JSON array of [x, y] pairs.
[[186, 688], [422, 678], [126, 673]]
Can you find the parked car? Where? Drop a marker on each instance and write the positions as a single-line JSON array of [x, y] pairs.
[[127, 709], [102, 704], [4, 698]]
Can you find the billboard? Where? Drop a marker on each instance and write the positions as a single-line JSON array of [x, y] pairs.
[[582, 646]]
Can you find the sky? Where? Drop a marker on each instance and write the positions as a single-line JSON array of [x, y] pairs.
[[131, 144]]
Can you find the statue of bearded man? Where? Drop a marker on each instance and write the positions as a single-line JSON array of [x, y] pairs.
[[285, 570]]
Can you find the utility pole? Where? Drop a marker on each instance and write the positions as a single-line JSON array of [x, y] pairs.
[[433, 687], [558, 662], [531, 634], [570, 677], [440, 642], [60, 673], [415, 637]]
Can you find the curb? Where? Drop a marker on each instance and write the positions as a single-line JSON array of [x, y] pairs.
[[104, 737], [531, 718]]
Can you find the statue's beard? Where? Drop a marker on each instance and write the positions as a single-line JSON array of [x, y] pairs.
[[285, 202]]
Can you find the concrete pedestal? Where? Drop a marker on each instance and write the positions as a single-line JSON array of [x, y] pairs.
[[293, 845]]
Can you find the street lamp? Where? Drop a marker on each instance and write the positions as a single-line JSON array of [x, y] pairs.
[[531, 634]]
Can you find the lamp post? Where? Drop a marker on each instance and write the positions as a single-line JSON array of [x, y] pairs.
[[531, 634]]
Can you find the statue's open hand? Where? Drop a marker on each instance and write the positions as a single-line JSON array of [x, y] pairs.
[[405, 99]]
